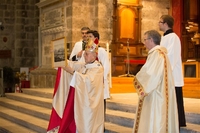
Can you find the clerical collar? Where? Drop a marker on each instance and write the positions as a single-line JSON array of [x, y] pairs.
[[168, 32]]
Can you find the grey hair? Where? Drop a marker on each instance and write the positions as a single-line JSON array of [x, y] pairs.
[[155, 35]]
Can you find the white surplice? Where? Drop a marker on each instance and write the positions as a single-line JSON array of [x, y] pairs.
[[173, 45], [76, 49], [157, 107]]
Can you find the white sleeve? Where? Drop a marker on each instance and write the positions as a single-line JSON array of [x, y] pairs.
[[104, 59], [173, 45], [77, 48]]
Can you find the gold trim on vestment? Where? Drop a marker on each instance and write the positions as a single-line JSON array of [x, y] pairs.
[[142, 94], [166, 87]]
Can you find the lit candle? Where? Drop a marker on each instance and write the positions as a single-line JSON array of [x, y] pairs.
[[107, 48], [109, 56]]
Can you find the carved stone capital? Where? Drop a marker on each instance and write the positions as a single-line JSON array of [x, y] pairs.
[[44, 3], [53, 30]]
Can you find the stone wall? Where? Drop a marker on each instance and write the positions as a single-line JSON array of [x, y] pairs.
[[96, 14], [20, 21], [151, 13], [105, 21]]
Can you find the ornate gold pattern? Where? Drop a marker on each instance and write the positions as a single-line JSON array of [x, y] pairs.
[[141, 92], [137, 121], [166, 88], [139, 88]]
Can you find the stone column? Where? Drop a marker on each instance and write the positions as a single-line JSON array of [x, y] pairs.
[[52, 26], [105, 21], [151, 13]]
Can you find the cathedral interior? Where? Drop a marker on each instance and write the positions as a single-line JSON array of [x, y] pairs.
[[28, 28]]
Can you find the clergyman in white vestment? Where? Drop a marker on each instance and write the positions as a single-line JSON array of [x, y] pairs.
[[154, 84]]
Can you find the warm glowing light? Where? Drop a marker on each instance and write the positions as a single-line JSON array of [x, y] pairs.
[[127, 23], [128, 1]]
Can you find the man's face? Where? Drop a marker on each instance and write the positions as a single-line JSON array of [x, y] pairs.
[[89, 57], [91, 36], [84, 35], [147, 42], [161, 24]]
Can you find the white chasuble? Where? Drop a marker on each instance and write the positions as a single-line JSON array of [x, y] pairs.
[[89, 98], [157, 107]]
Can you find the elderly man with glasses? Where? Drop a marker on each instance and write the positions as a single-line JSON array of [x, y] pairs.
[[157, 107]]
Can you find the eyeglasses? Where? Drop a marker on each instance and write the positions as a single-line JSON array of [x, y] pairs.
[[161, 22], [146, 39]]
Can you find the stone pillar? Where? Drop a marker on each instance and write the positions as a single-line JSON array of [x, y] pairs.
[[105, 21], [151, 13], [20, 21], [26, 23], [52, 26]]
